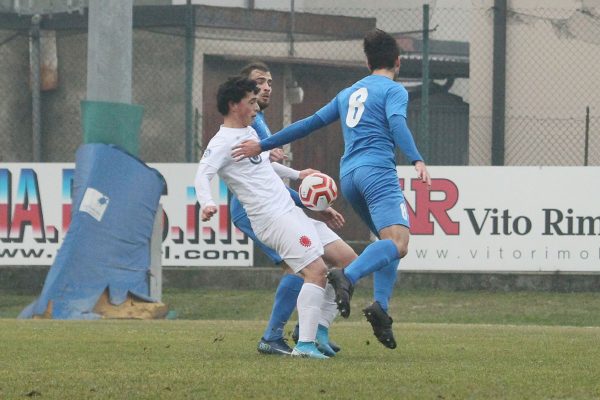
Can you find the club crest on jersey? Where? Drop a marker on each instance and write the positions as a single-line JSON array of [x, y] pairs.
[[305, 241], [256, 159]]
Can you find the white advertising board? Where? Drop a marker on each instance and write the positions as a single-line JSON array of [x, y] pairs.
[[35, 213], [504, 219], [473, 218]]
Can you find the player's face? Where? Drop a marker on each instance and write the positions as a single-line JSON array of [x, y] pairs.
[[264, 82], [247, 108]]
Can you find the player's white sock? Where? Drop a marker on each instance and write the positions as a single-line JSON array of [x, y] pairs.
[[328, 309], [309, 304]]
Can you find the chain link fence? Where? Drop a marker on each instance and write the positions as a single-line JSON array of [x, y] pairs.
[[552, 81]]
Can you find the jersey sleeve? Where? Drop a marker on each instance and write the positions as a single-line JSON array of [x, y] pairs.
[[217, 154], [204, 175], [260, 126], [329, 113], [403, 139], [396, 101], [285, 172], [303, 127]]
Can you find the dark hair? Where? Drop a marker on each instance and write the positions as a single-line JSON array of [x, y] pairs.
[[234, 89], [251, 66], [381, 49]]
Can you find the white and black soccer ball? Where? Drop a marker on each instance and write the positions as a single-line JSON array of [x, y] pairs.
[[317, 191]]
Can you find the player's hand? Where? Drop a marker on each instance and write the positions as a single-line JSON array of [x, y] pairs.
[[208, 212], [248, 148], [422, 173], [306, 172], [332, 218], [277, 155]]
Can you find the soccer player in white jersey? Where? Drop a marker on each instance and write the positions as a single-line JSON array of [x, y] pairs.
[[274, 217], [286, 295], [372, 113]]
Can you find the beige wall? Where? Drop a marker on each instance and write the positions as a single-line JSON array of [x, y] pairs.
[[550, 79]]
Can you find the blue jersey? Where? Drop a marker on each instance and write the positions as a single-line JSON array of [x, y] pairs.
[[260, 126], [364, 110], [372, 113]]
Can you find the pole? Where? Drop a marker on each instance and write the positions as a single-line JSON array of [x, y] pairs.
[[107, 116], [110, 50], [190, 38], [587, 136], [424, 122], [499, 83], [35, 89], [292, 28]]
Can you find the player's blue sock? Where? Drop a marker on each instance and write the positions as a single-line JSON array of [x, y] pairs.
[[283, 306], [375, 256], [383, 283]]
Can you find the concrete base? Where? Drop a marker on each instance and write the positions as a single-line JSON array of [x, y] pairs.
[[30, 280]]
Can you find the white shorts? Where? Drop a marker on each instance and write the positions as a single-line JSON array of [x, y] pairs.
[[298, 239]]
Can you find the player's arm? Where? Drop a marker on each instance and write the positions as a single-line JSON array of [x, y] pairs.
[[295, 131], [331, 217], [212, 160], [293, 174], [204, 175], [395, 110], [403, 138], [262, 130], [405, 142], [285, 172]]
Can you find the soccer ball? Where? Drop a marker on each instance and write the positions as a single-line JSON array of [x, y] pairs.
[[318, 191]]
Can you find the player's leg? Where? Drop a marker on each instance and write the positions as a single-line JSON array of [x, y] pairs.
[[379, 190], [393, 228], [310, 302], [377, 313], [374, 193], [384, 281], [286, 296], [338, 254], [296, 240]]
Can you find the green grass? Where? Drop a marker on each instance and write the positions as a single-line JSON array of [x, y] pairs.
[[421, 306], [451, 345], [217, 360]]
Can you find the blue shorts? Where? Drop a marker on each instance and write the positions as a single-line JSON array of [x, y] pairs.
[[243, 224], [375, 195]]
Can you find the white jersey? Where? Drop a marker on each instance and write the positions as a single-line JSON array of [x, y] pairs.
[[253, 180]]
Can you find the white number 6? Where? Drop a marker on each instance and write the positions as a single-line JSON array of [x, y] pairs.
[[356, 107]]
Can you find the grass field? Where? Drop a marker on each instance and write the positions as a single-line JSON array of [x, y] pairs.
[[451, 345]]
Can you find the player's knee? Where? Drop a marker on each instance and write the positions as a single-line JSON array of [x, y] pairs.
[[345, 258], [402, 248], [315, 272], [403, 251]]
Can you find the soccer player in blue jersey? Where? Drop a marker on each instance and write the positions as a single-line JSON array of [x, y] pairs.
[[372, 113], [286, 295]]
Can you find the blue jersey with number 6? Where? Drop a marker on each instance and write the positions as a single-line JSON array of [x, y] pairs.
[[372, 113], [364, 110]]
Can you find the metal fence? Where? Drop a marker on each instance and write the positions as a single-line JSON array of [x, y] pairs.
[[550, 113]]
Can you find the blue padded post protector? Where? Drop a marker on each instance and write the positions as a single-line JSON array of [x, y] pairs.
[[115, 198]]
